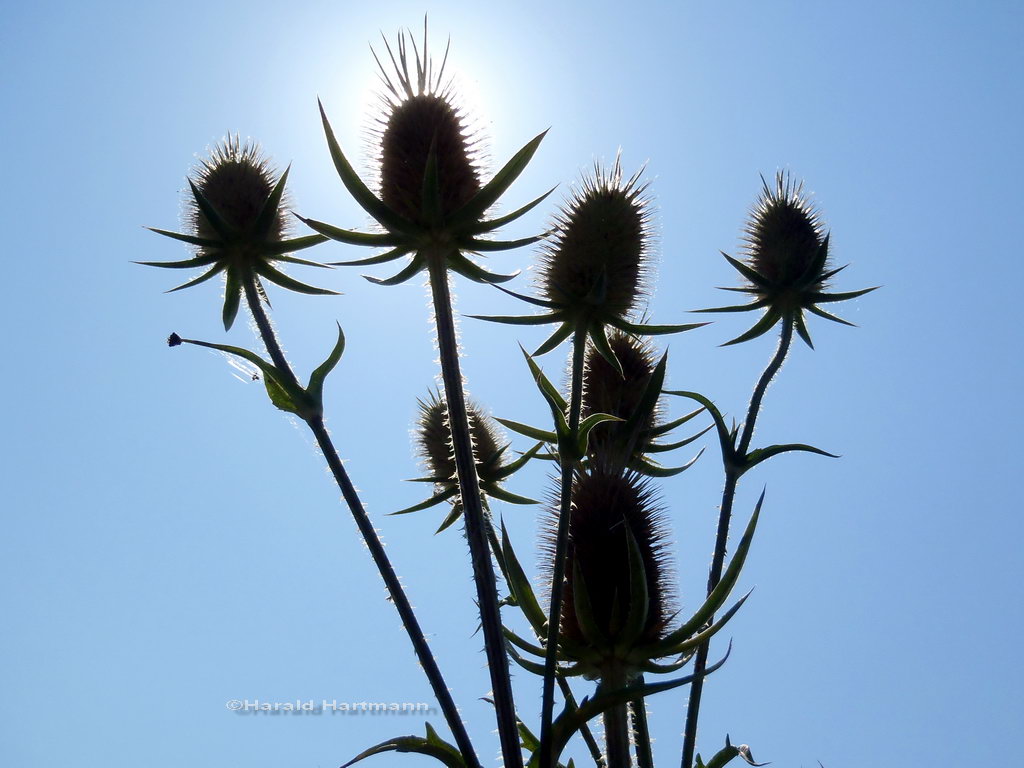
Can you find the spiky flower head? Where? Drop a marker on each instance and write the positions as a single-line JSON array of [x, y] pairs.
[[237, 225], [618, 594], [786, 261], [623, 395], [433, 436], [594, 265], [431, 197]]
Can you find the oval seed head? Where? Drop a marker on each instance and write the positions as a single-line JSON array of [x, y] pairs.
[[597, 260], [784, 239], [237, 179], [605, 390], [606, 508], [420, 116], [434, 439]]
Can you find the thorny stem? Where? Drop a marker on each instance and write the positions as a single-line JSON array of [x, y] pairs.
[[469, 493], [616, 727], [641, 733], [373, 543], [585, 732], [561, 548], [732, 476]]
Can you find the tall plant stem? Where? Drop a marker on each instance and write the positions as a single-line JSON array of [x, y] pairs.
[[641, 733], [373, 543], [616, 727], [568, 466], [733, 464], [476, 530]]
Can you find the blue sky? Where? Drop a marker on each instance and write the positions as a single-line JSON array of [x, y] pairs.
[[171, 542]]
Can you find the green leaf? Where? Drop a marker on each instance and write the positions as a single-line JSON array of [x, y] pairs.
[[283, 280], [368, 201], [762, 326], [470, 213], [475, 272], [587, 425], [801, 329], [383, 258], [520, 319], [725, 438], [417, 264], [651, 469], [652, 448], [829, 316], [655, 330], [316, 379], [824, 298], [488, 226], [289, 246], [550, 392], [721, 592], [486, 246], [639, 600], [224, 229], [664, 428], [528, 431], [201, 279], [600, 339], [759, 304], [725, 755], [662, 648], [563, 332], [349, 237], [514, 466], [499, 493], [202, 242], [265, 218], [434, 500], [232, 298], [521, 587], [753, 276], [762, 454], [432, 746]]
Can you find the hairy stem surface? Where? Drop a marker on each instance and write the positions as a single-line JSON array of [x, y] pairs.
[[476, 530], [616, 728], [732, 476], [568, 466], [373, 543]]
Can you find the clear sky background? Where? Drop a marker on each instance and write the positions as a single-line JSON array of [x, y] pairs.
[[170, 541]]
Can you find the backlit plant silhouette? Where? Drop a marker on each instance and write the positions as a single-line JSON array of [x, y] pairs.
[[607, 621]]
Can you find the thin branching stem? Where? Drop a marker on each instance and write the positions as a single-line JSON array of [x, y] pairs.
[[373, 542], [568, 466], [476, 530], [585, 732], [732, 476]]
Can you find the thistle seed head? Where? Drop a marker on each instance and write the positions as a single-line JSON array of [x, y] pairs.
[[597, 260], [605, 390], [606, 508], [421, 115], [434, 438], [237, 179], [784, 237]]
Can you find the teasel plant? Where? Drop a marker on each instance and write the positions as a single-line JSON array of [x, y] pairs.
[[238, 224], [592, 277], [787, 270], [432, 206]]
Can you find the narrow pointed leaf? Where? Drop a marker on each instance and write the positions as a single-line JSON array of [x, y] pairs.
[[432, 746], [600, 339], [824, 298], [232, 298], [549, 390], [529, 299], [515, 466], [471, 212], [665, 428], [450, 519], [528, 431], [518, 319], [753, 276], [265, 218], [666, 648], [368, 201], [316, 379], [224, 229], [383, 258], [639, 603], [283, 280], [202, 242], [519, 642], [653, 448], [649, 468], [655, 330], [434, 500], [724, 436], [290, 246], [486, 246], [521, 587], [801, 329], [762, 326], [829, 316], [587, 425], [416, 265], [197, 280], [762, 454], [737, 307], [492, 224], [496, 492], [476, 273], [348, 236], [563, 332]]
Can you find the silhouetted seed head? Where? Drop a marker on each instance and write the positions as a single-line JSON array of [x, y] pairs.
[[603, 505], [606, 391], [237, 179], [419, 114], [434, 438], [784, 237], [596, 262]]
